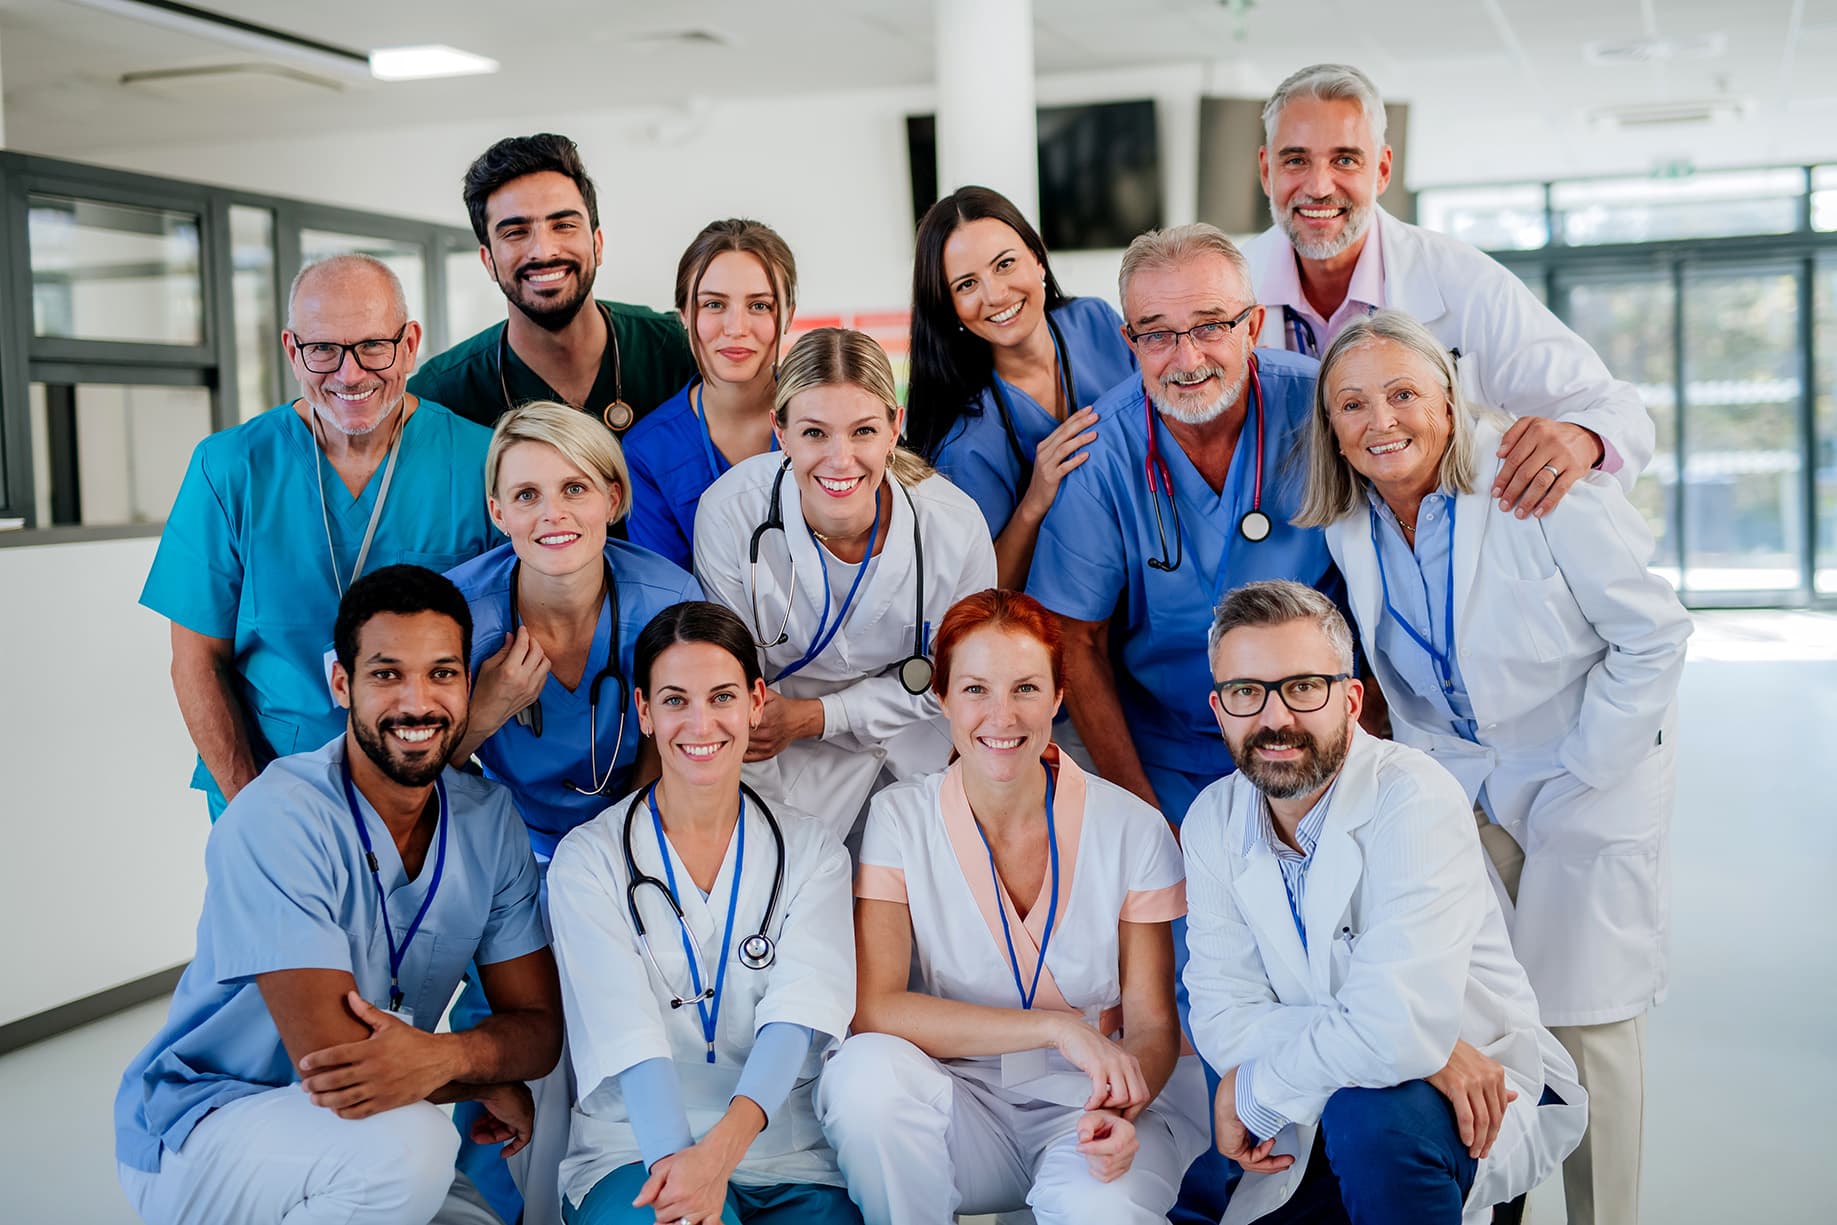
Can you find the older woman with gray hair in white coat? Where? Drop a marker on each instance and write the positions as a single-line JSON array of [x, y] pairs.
[[1538, 660]]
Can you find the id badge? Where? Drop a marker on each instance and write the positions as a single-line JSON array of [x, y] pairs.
[[1022, 1067]]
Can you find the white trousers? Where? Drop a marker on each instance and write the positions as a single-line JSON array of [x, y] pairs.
[[1601, 1178], [275, 1157], [919, 1144]]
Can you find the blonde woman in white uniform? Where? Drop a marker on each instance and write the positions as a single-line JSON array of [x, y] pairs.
[[706, 964], [1037, 1060], [840, 555]]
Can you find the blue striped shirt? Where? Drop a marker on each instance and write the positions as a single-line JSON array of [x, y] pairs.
[[1262, 1121]]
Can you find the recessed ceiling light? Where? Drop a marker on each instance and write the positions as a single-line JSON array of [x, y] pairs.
[[420, 63]]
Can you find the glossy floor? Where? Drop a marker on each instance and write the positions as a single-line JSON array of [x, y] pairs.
[[1740, 1125]]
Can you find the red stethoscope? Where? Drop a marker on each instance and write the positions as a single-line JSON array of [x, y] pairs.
[[1253, 527]]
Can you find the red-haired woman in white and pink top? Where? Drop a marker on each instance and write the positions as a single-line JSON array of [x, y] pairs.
[[1036, 1059]]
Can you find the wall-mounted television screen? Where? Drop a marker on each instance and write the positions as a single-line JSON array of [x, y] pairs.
[[1099, 167]]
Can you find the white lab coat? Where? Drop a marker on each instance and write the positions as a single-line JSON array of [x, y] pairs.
[[1406, 953], [869, 720], [619, 1015], [1514, 354], [1571, 650]]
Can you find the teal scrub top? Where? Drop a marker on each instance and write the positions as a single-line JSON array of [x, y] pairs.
[[1092, 557], [654, 361], [244, 555], [538, 769], [288, 889]]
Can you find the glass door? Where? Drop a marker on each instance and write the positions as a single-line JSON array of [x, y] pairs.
[[1629, 316], [1743, 462]]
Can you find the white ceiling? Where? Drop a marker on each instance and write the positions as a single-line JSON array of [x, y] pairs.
[[61, 62]]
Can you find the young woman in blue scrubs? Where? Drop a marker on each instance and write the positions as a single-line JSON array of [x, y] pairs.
[[1005, 367], [736, 289], [552, 713]]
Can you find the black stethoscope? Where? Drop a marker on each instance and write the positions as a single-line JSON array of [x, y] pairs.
[[617, 415], [531, 716], [1253, 527], [1007, 412], [915, 670], [757, 951], [1301, 332]]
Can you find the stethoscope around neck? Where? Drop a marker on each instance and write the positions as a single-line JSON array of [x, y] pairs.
[[1254, 526], [617, 415], [757, 951], [915, 670], [613, 670], [1006, 410]]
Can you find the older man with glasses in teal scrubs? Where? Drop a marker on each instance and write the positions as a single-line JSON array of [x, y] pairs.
[[278, 516]]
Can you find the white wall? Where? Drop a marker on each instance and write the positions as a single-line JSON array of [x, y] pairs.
[[829, 172], [102, 871]]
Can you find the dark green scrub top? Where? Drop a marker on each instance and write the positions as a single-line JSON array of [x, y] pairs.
[[654, 364]]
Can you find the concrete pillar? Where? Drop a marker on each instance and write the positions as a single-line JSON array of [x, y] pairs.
[[986, 128]]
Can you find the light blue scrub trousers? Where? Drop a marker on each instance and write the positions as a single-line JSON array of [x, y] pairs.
[[790, 1203]]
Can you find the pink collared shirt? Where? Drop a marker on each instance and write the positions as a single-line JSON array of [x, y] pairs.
[[1363, 295]]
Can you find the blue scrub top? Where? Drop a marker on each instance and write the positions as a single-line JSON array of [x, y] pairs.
[[243, 555], [537, 768], [288, 889], [1093, 551], [672, 463], [977, 456]]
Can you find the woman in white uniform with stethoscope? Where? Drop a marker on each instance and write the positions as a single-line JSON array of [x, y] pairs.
[[1537, 660], [1036, 1059], [840, 555], [707, 969]]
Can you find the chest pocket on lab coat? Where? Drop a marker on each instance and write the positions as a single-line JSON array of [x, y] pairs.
[[1546, 623]]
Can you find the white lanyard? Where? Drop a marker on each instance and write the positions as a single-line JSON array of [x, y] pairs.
[[376, 511]]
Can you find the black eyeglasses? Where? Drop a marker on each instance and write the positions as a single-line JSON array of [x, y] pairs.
[[325, 356], [1163, 341], [1304, 694]]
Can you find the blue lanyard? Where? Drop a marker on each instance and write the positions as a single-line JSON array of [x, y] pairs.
[[1052, 906], [433, 885], [711, 1010], [1302, 331], [1444, 661], [822, 639], [698, 408]]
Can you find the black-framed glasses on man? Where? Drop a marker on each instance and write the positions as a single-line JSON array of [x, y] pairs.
[[1163, 340], [325, 356], [1303, 694]]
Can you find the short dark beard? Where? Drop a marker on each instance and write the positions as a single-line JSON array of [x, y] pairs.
[[1290, 780], [549, 316], [370, 740]]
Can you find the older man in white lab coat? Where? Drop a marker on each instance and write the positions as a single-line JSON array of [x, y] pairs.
[[1350, 971], [1334, 255]]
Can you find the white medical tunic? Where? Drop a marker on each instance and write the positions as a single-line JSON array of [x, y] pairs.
[[619, 1015], [288, 889], [869, 720], [1117, 862]]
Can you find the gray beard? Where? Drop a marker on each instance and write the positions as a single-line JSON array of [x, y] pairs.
[[1358, 221], [1206, 412]]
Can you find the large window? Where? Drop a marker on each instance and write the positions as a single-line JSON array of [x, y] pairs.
[[155, 316]]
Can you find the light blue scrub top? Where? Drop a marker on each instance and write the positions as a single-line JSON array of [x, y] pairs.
[[535, 767], [977, 456], [289, 889], [243, 555], [1093, 551], [1418, 582]]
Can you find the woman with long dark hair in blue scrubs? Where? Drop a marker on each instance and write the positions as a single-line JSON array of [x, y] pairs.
[[1005, 367], [556, 611], [736, 290]]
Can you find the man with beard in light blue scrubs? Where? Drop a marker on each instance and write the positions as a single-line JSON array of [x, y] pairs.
[[278, 516]]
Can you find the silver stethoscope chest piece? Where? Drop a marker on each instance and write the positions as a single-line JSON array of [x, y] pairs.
[[757, 951], [915, 674], [1254, 526]]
